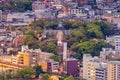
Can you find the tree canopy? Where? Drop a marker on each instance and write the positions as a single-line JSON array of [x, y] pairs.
[[17, 5], [46, 76], [84, 38], [26, 73], [38, 70], [88, 38], [69, 78]]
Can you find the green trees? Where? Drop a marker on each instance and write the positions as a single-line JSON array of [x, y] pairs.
[[28, 40], [7, 75], [51, 47], [43, 24], [82, 79], [38, 70], [46, 76], [94, 30], [105, 27], [17, 5], [69, 78], [84, 38], [1, 77], [88, 38], [55, 57], [48, 47], [7, 6], [26, 73], [31, 39]]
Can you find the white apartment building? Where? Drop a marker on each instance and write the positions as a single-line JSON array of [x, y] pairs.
[[114, 40], [101, 72], [95, 69], [52, 66], [109, 53], [21, 17], [91, 66], [79, 12]]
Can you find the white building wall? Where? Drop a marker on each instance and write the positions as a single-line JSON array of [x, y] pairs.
[[89, 67]]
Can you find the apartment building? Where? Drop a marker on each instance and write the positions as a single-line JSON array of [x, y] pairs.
[[87, 72], [14, 62], [22, 59], [113, 70], [0, 15], [26, 58], [109, 54], [71, 67], [52, 66], [93, 67], [114, 40], [101, 73], [40, 55]]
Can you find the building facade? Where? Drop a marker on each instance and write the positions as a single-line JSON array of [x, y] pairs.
[[113, 70], [71, 67], [114, 40], [101, 73], [52, 66], [92, 68]]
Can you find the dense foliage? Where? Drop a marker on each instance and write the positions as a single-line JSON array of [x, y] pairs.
[[55, 58], [38, 70], [69, 78], [46, 76], [88, 38], [84, 38], [24, 73], [17, 5]]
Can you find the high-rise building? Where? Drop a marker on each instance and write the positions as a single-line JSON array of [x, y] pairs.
[[71, 67], [101, 73], [92, 67], [113, 70], [22, 59], [0, 15], [86, 64], [64, 50]]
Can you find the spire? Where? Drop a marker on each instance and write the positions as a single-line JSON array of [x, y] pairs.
[[60, 24]]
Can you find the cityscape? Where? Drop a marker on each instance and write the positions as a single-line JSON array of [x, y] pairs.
[[59, 39]]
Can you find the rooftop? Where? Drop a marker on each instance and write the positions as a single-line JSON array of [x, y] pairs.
[[114, 62]]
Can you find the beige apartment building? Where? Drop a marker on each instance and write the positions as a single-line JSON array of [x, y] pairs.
[[113, 70], [89, 67], [25, 58], [93, 68]]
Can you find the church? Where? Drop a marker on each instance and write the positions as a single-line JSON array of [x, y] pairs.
[[60, 27]]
